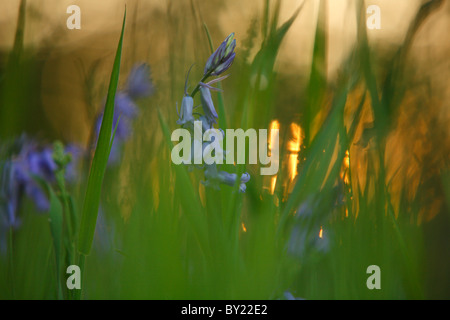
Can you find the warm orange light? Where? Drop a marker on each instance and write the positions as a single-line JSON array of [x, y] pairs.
[[321, 233], [274, 125], [294, 146], [297, 139], [347, 160], [273, 183], [345, 168], [293, 162], [243, 227]]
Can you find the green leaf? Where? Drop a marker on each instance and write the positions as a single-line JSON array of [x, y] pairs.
[[56, 228], [99, 163], [190, 201], [363, 50], [262, 69], [318, 77], [56, 222], [319, 157]]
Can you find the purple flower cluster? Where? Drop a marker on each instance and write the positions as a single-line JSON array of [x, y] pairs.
[[26, 170], [21, 176], [138, 85], [217, 63]]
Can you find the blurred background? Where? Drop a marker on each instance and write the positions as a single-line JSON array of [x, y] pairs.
[[64, 58], [54, 82]]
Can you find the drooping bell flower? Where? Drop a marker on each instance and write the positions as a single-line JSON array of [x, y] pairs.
[[208, 105], [187, 108], [214, 178]]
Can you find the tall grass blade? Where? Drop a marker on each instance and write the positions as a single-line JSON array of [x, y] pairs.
[[318, 77], [100, 160]]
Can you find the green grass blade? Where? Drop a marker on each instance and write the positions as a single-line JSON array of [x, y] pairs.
[[318, 158], [101, 156], [56, 228], [378, 108], [56, 223], [318, 76], [189, 199]]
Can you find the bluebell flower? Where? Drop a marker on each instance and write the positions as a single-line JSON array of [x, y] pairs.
[[9, 196], [308, 234], [222, 58], [289, 296], [245, 177], [115, 154], [206, 125], [210, 114], [215, 177], [77, 153], [208, 105], [104, 232], [139, 84], [32, 163], [19, 178], [126, 109], [41, 163], [186, 115], [217, 63], [8, 203]]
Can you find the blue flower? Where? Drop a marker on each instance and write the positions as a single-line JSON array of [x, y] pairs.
[[214, 178], [187, 107], [9, 196], [289, 296], [217, 63], [41, 163], [77, 154], [30, 164], [9, 190], [308, 234], [139, 83], [126, 109], [222, 58], [19, 177], [208, 105]]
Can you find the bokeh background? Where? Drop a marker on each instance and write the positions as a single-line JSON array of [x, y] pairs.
[[54, 81]]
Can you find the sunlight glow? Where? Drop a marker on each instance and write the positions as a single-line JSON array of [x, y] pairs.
[[294, 147]]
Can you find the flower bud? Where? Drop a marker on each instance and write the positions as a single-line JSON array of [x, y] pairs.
[[222, 58]]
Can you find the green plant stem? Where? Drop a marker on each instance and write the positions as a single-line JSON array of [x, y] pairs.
[[206, 76], [81, 261], [11, 262]]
